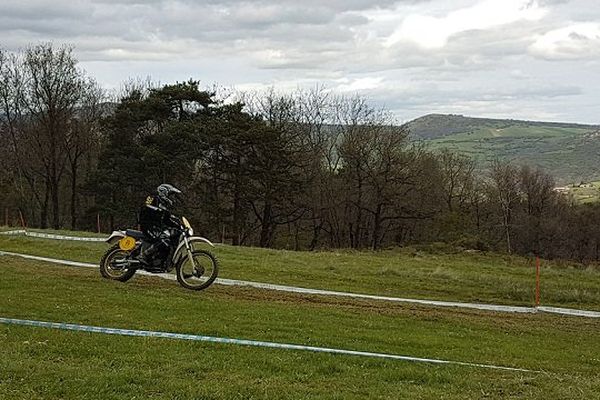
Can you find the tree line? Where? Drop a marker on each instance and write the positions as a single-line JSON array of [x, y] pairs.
[[303, 170]]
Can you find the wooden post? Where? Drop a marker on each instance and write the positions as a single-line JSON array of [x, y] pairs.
[[6, 216], [223, 235], [537, 281], [98, 221]]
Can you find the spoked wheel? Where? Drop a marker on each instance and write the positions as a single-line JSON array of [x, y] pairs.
[[113, 264], [198, 272]]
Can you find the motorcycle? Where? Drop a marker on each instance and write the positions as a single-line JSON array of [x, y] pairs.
[[195, 269]]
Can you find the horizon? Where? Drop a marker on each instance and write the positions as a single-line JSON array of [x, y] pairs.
[[594, 125]]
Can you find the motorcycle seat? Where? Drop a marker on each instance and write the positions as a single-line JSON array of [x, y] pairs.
[[134, 234]]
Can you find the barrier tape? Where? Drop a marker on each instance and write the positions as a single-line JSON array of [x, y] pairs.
[[53, 236], [243, 342], [321, 292], [14, 232]]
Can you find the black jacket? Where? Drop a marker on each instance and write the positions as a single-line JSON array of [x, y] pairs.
[[154, 218]]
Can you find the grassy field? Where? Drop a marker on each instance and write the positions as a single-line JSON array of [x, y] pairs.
[[583, 195], [49, 364], [38, 363], [461, 276]]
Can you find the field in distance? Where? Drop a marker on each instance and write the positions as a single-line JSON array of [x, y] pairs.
[[569, 152]]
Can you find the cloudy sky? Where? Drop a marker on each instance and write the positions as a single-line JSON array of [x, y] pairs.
[[526, 59]]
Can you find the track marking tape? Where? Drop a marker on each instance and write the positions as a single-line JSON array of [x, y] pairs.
[[53, 236], [294, 289], [242, 342], [13, 232]]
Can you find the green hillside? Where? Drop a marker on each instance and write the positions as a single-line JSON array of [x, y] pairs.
[[570, 152]]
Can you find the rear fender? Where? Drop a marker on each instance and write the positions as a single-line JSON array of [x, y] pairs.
[[115, 237]]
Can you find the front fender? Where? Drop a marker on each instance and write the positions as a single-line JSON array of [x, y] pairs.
[[178, 252], [115, 237], [199, 239]]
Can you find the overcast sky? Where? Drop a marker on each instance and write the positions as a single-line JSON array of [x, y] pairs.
[[523, 59]]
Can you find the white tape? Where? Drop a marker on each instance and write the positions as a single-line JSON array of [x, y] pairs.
[[570, 311], [50, 260], [63, 237], [53, 236], [321, 292], [16, 232], [243, 342], [293, 289]]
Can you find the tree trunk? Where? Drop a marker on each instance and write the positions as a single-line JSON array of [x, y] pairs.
[[237, 220], [73, 196], [44, 211], [507, 231], [266, 231], [55, 203], [316, 234], [376, 227], [356, 234]]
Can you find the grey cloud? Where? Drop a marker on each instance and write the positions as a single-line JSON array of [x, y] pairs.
[[41, 10], [261, 16], [270, 42], [352, 19], [552, 2], [549, 104]]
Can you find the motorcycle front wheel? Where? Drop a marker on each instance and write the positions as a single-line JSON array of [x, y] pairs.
[[110, 267], [199, 272]]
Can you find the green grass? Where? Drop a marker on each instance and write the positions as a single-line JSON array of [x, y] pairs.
[[461, 276], [39, 363]]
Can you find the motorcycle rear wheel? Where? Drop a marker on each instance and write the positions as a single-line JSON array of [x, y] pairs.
[[200, 277], [108, 271]]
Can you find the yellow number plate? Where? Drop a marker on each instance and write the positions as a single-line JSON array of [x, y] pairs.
[[127, 243]]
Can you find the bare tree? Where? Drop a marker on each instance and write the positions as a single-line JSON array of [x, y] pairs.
[[538, 191], [505, 191], [280, 158], [456, 178], [51, 91], [22, 157], [354, 118], [82, 134]]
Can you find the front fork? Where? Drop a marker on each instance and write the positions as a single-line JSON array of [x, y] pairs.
[[188, 247]]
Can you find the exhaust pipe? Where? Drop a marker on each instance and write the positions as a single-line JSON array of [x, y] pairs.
[[126, 263]]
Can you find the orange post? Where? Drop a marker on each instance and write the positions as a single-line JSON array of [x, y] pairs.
[[537, 281]]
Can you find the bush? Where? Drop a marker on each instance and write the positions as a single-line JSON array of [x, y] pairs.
[[472, 243]]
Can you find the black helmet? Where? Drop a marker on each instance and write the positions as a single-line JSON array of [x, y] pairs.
[[166, 194]]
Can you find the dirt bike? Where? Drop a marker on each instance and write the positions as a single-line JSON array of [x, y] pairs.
[[195, 269]]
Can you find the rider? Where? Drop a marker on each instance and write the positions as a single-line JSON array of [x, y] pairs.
[[156, 220]]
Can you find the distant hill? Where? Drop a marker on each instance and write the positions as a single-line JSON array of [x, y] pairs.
[[570, 152]]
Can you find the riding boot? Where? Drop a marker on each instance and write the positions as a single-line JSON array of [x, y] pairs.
[[148, 254]]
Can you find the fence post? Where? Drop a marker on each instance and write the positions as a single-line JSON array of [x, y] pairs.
[[6, 216], [98, 221], [537, 281]]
